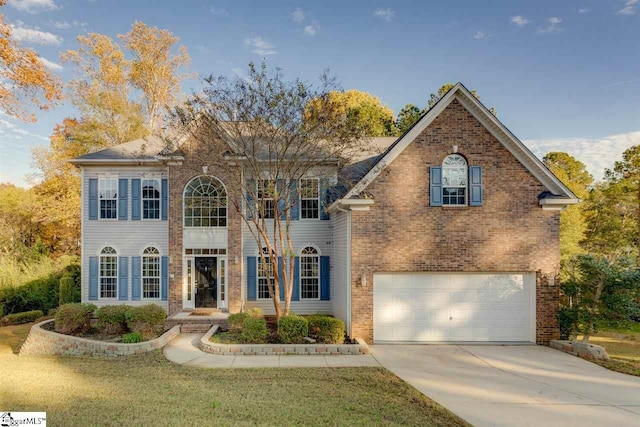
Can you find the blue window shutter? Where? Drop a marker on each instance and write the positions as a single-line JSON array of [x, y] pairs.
[[295, 296], [325, 278], [294, 212], [475, 186], [136, 270], [165, 199], [281, 277], [123, 279], [123, 207], [324, 198], [251, 187], [93, 199], [93, 278], [435, 186], [252, 278], [164, 278], [135, 199]]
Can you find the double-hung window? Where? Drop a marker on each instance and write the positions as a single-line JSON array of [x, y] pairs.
[[310, 198], [266, 198], [108, 194], [454, 180], [108, 273], [151, 273], [265, 275], [151, 199], [309, 273]]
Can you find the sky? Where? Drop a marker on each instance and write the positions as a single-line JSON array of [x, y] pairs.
[[562, 75]]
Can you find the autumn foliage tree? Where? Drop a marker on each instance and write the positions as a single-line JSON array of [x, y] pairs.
[[24, 79]]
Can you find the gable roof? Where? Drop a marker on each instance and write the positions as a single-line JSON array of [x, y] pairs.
[[558, 193]]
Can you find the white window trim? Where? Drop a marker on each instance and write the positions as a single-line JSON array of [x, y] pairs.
[[300, 198], [142, 276], [466, 187], [184, 216], [300, 277], [258, 277], [102, 179], [117, 274], [142, 198], [259, 187]]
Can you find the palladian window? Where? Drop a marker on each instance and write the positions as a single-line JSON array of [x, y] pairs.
[[205, 203], [454, 180]]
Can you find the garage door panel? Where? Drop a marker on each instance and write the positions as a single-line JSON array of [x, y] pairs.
[[440, 307]]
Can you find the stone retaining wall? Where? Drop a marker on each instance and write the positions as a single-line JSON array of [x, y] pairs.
[[580, 349], [280, 349], [41, 342]]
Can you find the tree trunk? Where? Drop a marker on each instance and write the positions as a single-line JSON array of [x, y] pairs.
[[596, 300]]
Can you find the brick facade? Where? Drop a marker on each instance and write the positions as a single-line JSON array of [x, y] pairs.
[[402, 233], [179, 177]]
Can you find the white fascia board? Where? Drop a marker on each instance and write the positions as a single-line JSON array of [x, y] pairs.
[[89, 162], [351, 204], [558, 202]]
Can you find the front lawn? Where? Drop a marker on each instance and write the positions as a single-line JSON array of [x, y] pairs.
[[149, 390], [623, 346]]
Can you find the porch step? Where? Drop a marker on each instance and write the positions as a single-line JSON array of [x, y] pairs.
[[194, 327], [200, 321]]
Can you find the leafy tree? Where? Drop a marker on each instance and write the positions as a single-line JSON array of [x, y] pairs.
[[601, 292], [435, 97], [407, 117], [275, 132], [363, 110], [24, 79], [18, 231]]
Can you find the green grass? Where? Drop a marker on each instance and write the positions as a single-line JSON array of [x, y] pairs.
[[149, 390], [623, 346]]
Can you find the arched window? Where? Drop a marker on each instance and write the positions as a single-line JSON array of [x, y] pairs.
[[151, 273], [205, 203], [454, 180], [309, 273], [108, 273], [265, 275]]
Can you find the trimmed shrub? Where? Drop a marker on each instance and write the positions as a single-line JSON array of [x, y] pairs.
[[69, 290], [19, 318], [254, 330], [148, 320], [326, 329], [235, 321], [112, 319], [567, 322], [131, 338], [74, 318], [255, 312], [292, 329]]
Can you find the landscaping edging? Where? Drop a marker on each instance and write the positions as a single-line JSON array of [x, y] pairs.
[[580, 349], [280, 349], [43, 342]]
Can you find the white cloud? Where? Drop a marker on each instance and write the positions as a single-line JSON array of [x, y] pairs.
[[387, 14], [60, 25], [310, 30], [34, 6], [584, 10], [298, 16], [553, 25], [22, 33], [520, 21], [481, 35], [597, 154], [629, 8], [51, 65], [260, 46], [10, 130], [218, 11]]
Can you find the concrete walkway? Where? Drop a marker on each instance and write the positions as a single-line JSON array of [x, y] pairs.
[[516, 385], [184, 351]]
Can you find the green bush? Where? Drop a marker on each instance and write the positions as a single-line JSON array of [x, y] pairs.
[[19, 318], [74, 318], [148, 320], [255, 312], [235, 321], [254, 330], [112, 319], [131, 338], [568, 322], [292, 329], [326, 329], [69, 290]]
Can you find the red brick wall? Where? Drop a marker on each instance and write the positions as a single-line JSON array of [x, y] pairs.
[[179, 176], [402, 233]]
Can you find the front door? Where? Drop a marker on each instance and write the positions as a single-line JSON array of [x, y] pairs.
[[206, 282]]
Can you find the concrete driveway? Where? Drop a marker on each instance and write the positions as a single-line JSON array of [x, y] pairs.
[[516, 385]]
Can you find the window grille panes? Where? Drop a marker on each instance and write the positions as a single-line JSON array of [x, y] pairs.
[[265, 274], [108, 194], [108, 273], [151, 198], [309, 198], [454, 180], [266, 198], [309, 274], [151, 273], [205, 203]]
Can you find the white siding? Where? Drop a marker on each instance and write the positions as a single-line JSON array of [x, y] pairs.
[[129, 237], [316, 233], [340, 263]]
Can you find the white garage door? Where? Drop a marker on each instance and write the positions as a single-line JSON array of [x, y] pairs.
[[437, 307]]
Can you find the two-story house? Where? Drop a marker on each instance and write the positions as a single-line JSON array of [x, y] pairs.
[[451, 234]]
